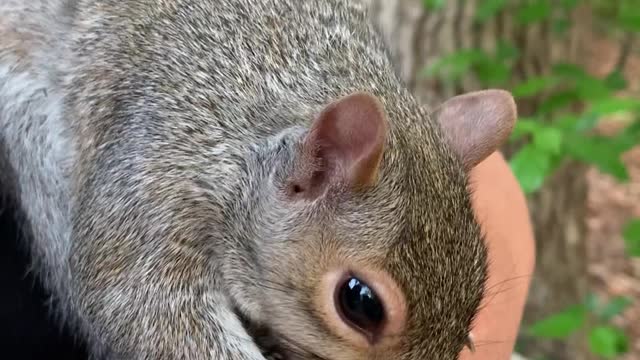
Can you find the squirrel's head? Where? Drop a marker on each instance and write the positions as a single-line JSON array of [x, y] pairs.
[[372, 249]]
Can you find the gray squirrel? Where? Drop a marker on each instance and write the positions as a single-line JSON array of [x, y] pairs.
[[241, 179]]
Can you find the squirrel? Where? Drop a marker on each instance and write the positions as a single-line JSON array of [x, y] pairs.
[[241, 179]]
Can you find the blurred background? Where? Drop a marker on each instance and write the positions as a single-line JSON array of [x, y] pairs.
[[574, 67]]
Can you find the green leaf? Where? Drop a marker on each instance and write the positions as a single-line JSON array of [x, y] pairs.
[[604, 107], [631, 234], [433, 4], [587, 87], [614, 105], [587, 121], [533, 12], [492, 73], [531, 166], [608, 341], [533, 86], [629, 16], [560, 325], [488, 9], [548, 139], [523, 127], [558, 100], [592, 302], [626, 139], [505, 51], [569, 4], [560, 26], [568, 70], [616, 80], [614, 308], [592, 89], [566, 122], [454, 65], [598, 151]]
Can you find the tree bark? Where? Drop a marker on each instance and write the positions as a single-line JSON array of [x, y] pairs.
[[416, 37]]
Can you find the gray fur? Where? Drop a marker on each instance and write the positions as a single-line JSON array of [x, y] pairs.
[[150, 141]]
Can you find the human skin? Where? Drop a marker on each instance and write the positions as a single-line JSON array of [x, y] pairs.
[[502, 211]]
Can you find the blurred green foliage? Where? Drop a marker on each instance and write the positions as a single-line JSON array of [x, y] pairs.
[[631, 235], [571, 103], [604, 339]]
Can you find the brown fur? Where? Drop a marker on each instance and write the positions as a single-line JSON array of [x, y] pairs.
[[178, 125]]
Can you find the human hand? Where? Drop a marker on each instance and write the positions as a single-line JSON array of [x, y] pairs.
[[502, 211]]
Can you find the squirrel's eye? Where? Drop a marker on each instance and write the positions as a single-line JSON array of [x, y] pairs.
[[359, 305]]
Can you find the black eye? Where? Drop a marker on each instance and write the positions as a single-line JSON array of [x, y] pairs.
[[360, 305]]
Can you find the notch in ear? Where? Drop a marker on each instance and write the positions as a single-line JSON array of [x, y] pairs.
[[476, 124], [344, 147]]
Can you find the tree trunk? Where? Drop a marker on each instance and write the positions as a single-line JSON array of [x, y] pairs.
[[416, 37]]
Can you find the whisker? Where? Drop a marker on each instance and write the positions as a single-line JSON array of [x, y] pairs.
[[515, 278]]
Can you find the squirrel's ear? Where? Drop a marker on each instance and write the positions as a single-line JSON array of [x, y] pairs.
[[476, 124], [343, 147]]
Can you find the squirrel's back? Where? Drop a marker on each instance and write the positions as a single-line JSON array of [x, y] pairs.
[[236, 70]]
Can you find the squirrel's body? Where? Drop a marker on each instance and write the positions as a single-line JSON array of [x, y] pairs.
[[150, 145]]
